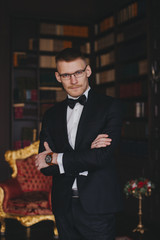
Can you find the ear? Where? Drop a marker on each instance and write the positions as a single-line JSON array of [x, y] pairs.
[[88, 70], [57, 77]]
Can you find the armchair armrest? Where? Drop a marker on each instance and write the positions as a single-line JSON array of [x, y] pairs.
[[11, 189]]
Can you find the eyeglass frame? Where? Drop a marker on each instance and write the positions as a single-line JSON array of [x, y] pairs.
[[70, 74]]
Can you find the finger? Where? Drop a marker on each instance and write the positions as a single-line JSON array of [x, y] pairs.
[[103, 140], [47, 148], [102, 136], [102, 143], [98, 145], [106, 140], [105, 143], [92, 145], [36, 163]]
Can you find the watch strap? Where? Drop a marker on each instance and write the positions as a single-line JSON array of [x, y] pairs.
[[50, 154]]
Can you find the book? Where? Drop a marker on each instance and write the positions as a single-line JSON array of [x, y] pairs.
[[32, 44], [17, 56], [51, 45], [131, 11], [85, 48], [104, 42], [105, 76], [34, 95], [107, 58], [25, 111], [18, 110], [136, 109], [133, 89], [22, 59], [111, 91], [143, 67], [134, 69], [134, 30], [47, 62], [47, 78], [50, 88], [25, 87], [52, 94], [66, 30], [106, 24], [30, 111], [96, 29], [46, 44]]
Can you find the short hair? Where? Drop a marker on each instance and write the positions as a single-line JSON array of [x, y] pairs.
[[69, 54]]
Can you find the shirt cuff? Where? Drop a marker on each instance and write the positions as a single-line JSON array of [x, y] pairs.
[[84, 173], [61, 168], [60, 163]]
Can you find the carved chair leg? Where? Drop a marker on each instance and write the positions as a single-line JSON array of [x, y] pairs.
[[55, 232], [28, 232], [3, 226]]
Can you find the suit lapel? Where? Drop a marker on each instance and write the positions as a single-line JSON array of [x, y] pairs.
[[86, 115], [63, 117]]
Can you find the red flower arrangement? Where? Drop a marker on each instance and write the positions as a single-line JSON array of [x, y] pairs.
[[141, 186]]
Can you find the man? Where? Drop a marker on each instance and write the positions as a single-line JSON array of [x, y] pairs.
[[77, 143]]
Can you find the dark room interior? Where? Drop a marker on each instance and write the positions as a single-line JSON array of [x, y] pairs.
[[135, 69]]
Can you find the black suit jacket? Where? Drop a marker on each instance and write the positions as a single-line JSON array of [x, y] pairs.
[[99, 191]]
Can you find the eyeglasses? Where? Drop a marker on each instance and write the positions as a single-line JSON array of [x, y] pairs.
[[77, 74]]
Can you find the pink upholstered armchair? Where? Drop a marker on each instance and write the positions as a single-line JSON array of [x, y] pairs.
[[26, 195]]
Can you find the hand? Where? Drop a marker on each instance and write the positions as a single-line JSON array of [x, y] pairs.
[[102, 140], [40, 158]]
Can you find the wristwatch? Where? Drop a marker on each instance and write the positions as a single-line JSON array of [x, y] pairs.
[[48, 158]]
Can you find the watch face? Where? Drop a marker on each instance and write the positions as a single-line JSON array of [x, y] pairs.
[[48, 158]]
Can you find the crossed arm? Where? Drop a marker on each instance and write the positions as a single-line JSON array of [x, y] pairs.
[[102, 140]]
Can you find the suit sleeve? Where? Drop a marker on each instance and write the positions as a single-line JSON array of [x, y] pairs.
[[45, 136], [94, 159]]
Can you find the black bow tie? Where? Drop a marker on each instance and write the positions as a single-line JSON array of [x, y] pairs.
[[71, 102]]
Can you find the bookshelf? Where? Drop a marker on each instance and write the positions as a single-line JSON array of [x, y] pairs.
[[122, 69], [35, 42], [132, 78], [124, 51], [119, 52], [134, 56], [104, 48], [127, 58]]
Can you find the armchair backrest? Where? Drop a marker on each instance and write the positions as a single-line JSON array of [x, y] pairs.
[[22, 162]]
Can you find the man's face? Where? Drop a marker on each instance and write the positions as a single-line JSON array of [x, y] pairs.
[[74, 86]]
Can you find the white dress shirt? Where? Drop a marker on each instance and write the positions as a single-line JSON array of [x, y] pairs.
[[73, 117]]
